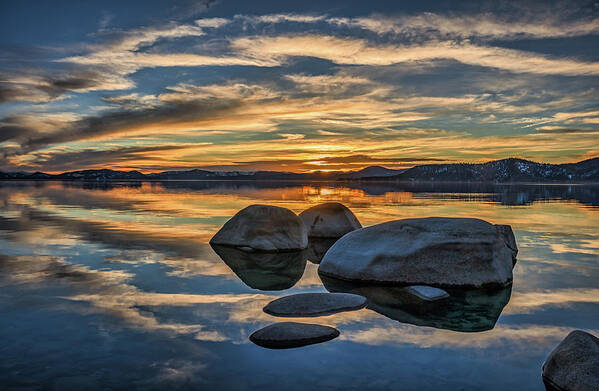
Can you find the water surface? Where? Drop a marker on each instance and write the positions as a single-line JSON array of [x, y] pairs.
[[115, 287]]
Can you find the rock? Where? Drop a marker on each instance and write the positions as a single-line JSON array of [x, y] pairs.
[[574, 363], [329, 220], [509, 238], [286, 335], [427, 293], [263, 228], [263, 270], [435, 251], [465, 310], [318, 247], [314, 304]]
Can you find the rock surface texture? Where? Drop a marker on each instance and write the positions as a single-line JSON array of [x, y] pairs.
[[263, 228], [574, 364], [329, 220], [435, 251], [314, 304], [286, 335]]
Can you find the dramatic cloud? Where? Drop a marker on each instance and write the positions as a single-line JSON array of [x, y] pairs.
[[93, 158], [38, 87], [297, 91], [346, 51], [486, 26]]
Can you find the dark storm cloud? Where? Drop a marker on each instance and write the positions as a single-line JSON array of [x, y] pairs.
[[40, 86], [91, 157], [10, 132], [116, 121]]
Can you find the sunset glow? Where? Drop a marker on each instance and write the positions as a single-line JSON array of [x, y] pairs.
[[257, 86]]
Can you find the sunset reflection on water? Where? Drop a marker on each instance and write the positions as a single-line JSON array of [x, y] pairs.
[[116, 284]]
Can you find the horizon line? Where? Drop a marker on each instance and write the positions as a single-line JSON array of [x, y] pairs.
[[324, 171]]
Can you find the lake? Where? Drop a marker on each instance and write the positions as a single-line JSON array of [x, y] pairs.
[[114, 286]]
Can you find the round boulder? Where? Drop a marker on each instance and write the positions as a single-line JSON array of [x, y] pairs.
[[329, 220], [286, 335], [263, 228], [435, 251], [574, 363], [314, 304]]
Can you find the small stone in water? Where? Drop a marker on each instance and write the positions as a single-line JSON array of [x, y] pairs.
[[285, 335], [427, 293]]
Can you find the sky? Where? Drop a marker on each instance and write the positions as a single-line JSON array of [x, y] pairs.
[[295, 86]]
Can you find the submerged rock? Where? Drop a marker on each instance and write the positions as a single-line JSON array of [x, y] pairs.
[[263, 270], [427, 293], [286, 335], [574, 364], [314, 304], [329, 220], [465, 310], [263, 228], [435, 251], [318, 247]]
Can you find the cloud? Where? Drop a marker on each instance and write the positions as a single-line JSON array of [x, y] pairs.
[[281, 18], [211, 22], [96, 158], [40, 86], [561, 129], [388, 92], [119, 122], [486, 26], [351, 51]]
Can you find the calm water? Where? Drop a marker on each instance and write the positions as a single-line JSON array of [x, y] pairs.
[[115, 287]]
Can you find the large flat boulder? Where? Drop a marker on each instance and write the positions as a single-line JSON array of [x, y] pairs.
[[263, 228], [286, 335], [435, 251], [574, 364], [329, 220], [314, 304]]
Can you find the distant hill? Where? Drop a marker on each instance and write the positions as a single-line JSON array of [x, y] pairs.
[[498, 171], [503, 171], [368, 172]]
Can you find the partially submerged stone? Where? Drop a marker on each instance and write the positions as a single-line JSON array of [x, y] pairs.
[[314, 304], [286, 335], [574, 364], [427, 293], [263, 270], [263, 228], [329, 220], [434, 251]]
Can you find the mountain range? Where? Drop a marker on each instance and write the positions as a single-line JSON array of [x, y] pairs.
[[497, 171]]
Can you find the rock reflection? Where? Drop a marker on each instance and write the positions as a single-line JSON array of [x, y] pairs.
[[263, 270], [318, 247], [468, 310]]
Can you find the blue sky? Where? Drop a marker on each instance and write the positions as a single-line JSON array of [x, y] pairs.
[[296, 86]]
